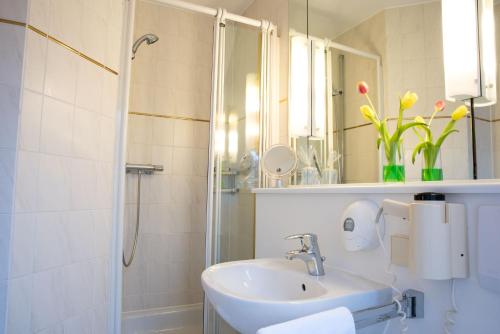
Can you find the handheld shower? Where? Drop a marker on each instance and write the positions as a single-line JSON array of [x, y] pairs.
[[148, 38]]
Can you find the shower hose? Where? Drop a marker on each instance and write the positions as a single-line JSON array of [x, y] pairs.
[[128, 262]]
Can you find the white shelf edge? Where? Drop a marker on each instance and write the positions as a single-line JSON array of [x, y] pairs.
[[487, 186]]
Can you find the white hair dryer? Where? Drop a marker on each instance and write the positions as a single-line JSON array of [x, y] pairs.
[[438, 235]]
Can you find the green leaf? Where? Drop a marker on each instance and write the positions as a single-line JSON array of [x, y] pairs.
[[443, 136], [412, 124], [417, 150], [379, 140]]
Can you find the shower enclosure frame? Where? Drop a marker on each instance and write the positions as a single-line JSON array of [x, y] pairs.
[[268, 135]]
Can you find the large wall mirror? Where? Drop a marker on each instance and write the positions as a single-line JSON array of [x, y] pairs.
[[394, 46]]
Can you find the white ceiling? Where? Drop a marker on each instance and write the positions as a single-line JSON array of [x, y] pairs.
[[347, 14], [233, 6]]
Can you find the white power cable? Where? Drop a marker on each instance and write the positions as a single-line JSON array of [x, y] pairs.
[[399, 294], [450, 321]]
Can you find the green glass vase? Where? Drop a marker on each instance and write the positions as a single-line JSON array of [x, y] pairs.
[[394, 173], [394, 166], [432, 174], [431, 166]]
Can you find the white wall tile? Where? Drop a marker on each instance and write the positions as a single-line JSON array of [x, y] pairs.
[[35, 61], [86, 134], [23, 239], [83, 184], [11, 53], [157, 277], [26, 194], [104, 190], [48, 299], [94, 33], [57, 127], [54, 183], [3, 301], [107, 136], [163, 131], [14, 10], [19, 306], [65, 21], [55, 329], [178, 279], [50, 180], [103, 232], [110, 95], [184, 135], [113, 38], [89, 86], [31, 119], [80, 324], [5, 232], [77, 287], [140, 130], [80, 231], [100, 319], [7, 166], [9, 113], [184, 160], [51, 241], [38, 15], [61, 72]]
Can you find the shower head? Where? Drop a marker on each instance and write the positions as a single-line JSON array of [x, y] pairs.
[[148, 38]]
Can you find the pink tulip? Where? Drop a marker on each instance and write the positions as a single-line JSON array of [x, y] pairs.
[[362, 87], [439, 105]]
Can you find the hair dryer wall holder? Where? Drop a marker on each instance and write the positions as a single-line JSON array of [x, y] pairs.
[[437, 237]]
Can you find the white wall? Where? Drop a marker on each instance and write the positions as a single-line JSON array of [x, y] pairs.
[[279, 215], [61, 228]]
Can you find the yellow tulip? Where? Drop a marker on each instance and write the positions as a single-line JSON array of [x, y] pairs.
[[459, 113], [408, 100], [367, 113], [419, 119]]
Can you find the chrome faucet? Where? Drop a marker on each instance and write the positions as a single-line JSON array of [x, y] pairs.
[[309, 253]]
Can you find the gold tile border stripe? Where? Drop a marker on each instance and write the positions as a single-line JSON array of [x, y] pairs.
[[409, 119], [183, 118], [61, 43], [12, 22]]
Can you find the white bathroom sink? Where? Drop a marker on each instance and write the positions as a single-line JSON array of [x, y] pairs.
[[253, 294]]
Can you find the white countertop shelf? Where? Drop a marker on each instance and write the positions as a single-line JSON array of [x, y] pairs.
[[486, 186]]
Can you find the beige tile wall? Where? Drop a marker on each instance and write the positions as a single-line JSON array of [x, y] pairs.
[[61, 230], [171, 77]]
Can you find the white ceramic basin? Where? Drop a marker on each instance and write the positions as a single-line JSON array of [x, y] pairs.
[[253, 294]]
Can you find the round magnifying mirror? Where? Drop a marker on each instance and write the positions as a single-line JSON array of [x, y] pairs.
[[279, 161]]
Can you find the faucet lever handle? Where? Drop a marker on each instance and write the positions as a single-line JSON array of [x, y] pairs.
[[309, 240]]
